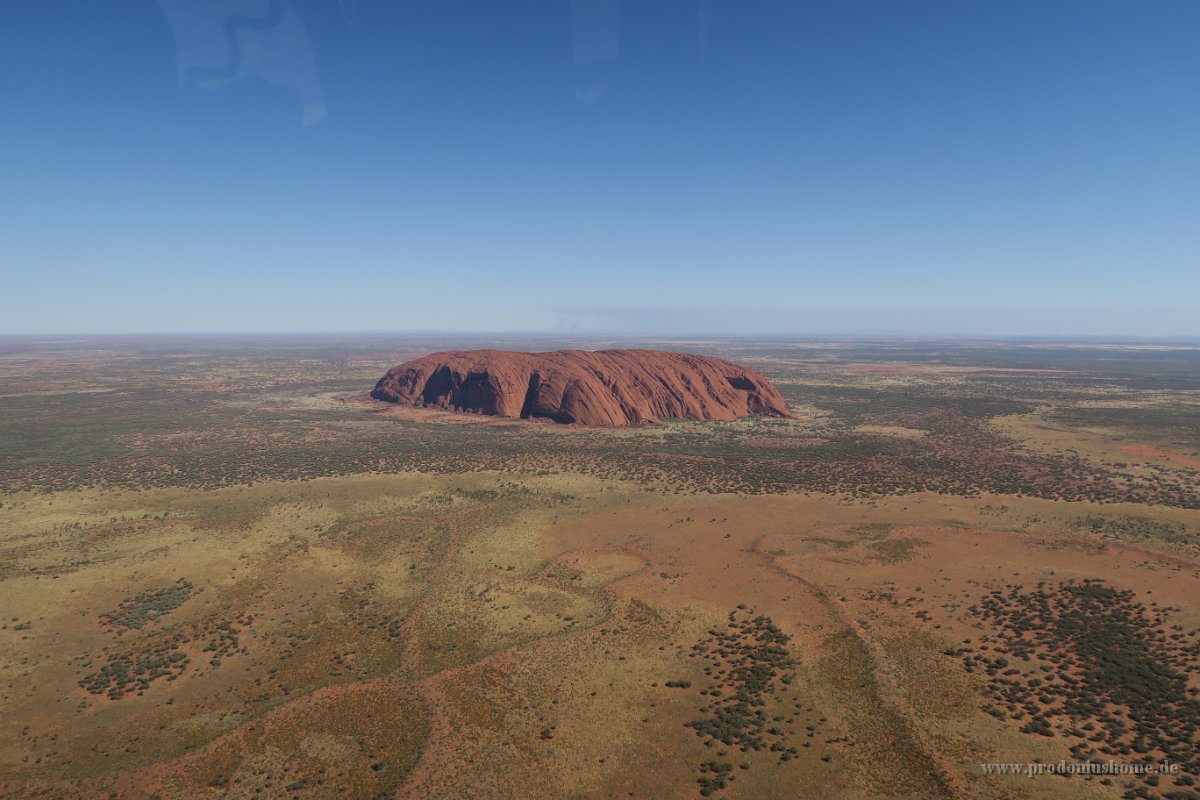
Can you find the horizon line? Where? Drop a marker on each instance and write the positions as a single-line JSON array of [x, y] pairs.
[[876, 336]]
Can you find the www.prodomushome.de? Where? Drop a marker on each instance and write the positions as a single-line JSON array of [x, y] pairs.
[[1029, 770]]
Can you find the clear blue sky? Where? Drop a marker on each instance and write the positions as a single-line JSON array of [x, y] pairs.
[[846, 166]]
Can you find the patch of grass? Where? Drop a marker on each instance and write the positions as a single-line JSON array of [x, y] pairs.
[[147, 607], [892, 551]]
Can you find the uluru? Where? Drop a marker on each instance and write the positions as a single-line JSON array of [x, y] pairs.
[[601, 388]]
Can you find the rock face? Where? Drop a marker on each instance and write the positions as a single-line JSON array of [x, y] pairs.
[[600, 388]]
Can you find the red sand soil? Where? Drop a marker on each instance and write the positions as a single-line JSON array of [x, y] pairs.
[[604, 388], [1149, 451]]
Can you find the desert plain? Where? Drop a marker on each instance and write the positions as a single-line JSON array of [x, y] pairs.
[[226, 571]]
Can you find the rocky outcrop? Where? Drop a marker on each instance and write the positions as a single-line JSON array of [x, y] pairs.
[[599, 388]]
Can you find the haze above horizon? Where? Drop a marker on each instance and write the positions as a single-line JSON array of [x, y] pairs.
[[591, 166]]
